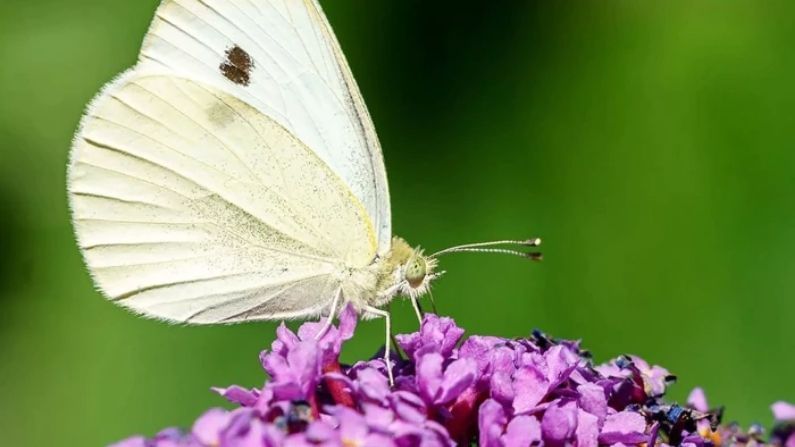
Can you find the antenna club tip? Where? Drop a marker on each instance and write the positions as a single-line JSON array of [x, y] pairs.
[[533, 242], [535, 256]]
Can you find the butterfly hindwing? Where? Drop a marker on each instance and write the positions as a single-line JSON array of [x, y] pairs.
[[191, 205]]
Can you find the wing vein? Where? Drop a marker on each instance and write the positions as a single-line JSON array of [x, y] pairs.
[[140, 290], [92, 219], [191, 35], [132, 244], [133, 177], [119, 199]]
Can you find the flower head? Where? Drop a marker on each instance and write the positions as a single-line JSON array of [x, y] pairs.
[[493, 391]]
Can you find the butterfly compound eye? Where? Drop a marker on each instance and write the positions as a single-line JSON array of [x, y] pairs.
[[415, 271]]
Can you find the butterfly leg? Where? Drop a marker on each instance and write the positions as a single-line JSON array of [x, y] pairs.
[[390, 292], [332, 312], [387, 340], [433, 302], [416, 305]]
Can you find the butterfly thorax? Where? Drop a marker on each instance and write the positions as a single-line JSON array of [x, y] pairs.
[[404, 270]]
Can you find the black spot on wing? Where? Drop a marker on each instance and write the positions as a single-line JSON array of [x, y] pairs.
[[237, 66]]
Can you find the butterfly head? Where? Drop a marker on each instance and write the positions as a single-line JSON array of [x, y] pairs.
[[410, 270], [418, 272], [415, 271]]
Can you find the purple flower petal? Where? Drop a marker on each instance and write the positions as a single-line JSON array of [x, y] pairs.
[[502, 387], [593, 400], [625, 427], [655, 378], [406, 435], [408, 407], [330, 344], [378, 417], [439, 387], [458, 376], [625, 422], [239, 395], [352, 426], [372, 384], [504, 359], [321, 432], [480, 349], [207, 429], [429, 375], [502, 368], [522, 431], [611, 369], [285, 340], [698, 400], [438, 334], [559, 424], [308, 331], [243, 429], [587, 429], [135, 441], [377, 440], [348, 320], [560, 363], [614, 438], [295, 376], [491, 422], [694, 440], [654, 434], [530, 386], [296, 440], [783, 411]]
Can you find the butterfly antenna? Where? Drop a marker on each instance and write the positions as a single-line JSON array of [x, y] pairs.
[[491, 247]]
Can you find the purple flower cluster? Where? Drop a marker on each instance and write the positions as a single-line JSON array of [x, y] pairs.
[[489, 391]]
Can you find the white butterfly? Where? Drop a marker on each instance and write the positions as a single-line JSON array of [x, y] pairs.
[[234, 174]]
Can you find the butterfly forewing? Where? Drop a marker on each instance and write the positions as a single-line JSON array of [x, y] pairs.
[[281, 57], [191, 205]]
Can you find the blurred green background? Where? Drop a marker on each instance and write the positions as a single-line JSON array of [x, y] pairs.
[[649, 144]]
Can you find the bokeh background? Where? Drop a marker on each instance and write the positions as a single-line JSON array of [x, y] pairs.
[[649, 144]]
